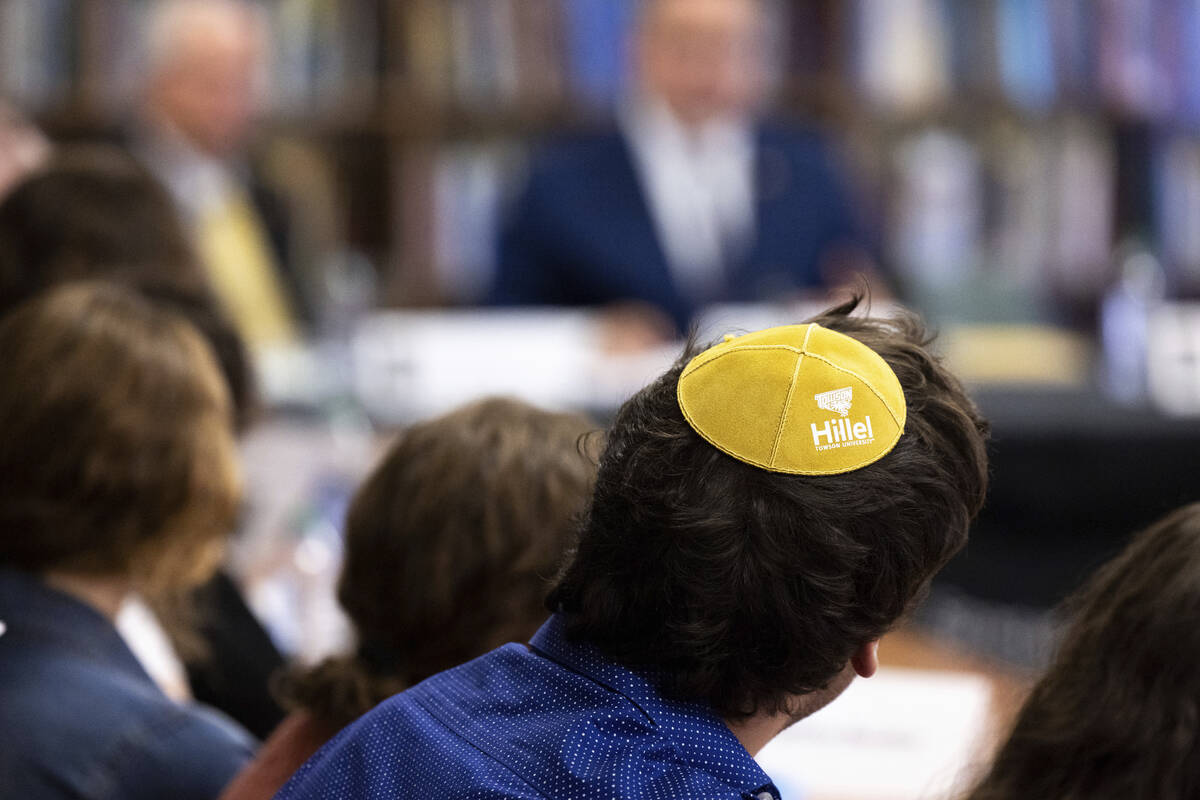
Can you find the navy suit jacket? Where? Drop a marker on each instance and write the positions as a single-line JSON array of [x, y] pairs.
[[581, 232], [81, 720]]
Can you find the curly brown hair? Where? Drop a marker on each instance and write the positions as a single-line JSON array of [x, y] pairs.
[[743, 588], [1117, 715], [451, 545]]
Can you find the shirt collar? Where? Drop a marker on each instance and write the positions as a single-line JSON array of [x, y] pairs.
[[650, 122], [722, 756], [198, 181], [33, 612]]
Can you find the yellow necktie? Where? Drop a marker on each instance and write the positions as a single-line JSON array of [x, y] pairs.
[[234, 248]]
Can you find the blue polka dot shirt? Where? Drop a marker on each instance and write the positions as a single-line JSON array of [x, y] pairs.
[[555, 720]]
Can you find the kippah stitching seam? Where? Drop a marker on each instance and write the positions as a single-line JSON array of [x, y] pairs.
[[787, 401], [698, 429], [783, 413], [866, 383], [739, 349]]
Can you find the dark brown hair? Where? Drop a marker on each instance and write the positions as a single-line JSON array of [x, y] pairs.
[[1118, 713], [117, 455], [742, 588], [93, 212], [451, 545]]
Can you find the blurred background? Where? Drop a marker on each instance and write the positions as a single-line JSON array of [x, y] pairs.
[[438, 199], [1011, 157]]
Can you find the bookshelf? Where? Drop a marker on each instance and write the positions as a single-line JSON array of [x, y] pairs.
[[1060, 129]]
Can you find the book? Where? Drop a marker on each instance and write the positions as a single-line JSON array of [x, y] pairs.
[[38, 52], [468, 183], [902, 55], [598, 48], [1026, 52]]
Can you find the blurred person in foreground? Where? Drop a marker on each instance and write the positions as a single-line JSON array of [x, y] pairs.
[[763, 513], [119, 475], [93, 213], [205, 75], [451, 545], [692, 199], [1118, 713]]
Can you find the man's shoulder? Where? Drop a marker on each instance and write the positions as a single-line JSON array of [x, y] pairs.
[[411, 746], [511, 724], [106, 733]]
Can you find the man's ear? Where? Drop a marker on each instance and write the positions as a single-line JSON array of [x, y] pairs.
[[866, 660]]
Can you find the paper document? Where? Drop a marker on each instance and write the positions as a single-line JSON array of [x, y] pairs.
[[901, 735]]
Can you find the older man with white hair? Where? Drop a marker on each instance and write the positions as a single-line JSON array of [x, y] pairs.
[[204, 79]]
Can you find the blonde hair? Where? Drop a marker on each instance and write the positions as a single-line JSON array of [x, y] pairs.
[[118, 454]]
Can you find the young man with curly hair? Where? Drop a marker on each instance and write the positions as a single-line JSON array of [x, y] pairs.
[[764, 512]]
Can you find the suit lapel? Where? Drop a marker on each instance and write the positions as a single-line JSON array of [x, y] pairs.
[[640, 232]]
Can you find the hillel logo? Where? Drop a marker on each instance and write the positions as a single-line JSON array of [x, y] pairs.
[[837, 401], [840, 432]]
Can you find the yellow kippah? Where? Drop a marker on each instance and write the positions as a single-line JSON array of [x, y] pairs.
[[800, 399]]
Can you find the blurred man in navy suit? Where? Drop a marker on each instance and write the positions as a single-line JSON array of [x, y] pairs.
[[691, 199]]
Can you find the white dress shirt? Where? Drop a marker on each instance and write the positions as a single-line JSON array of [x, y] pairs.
[[198, 182], [699, 186]]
